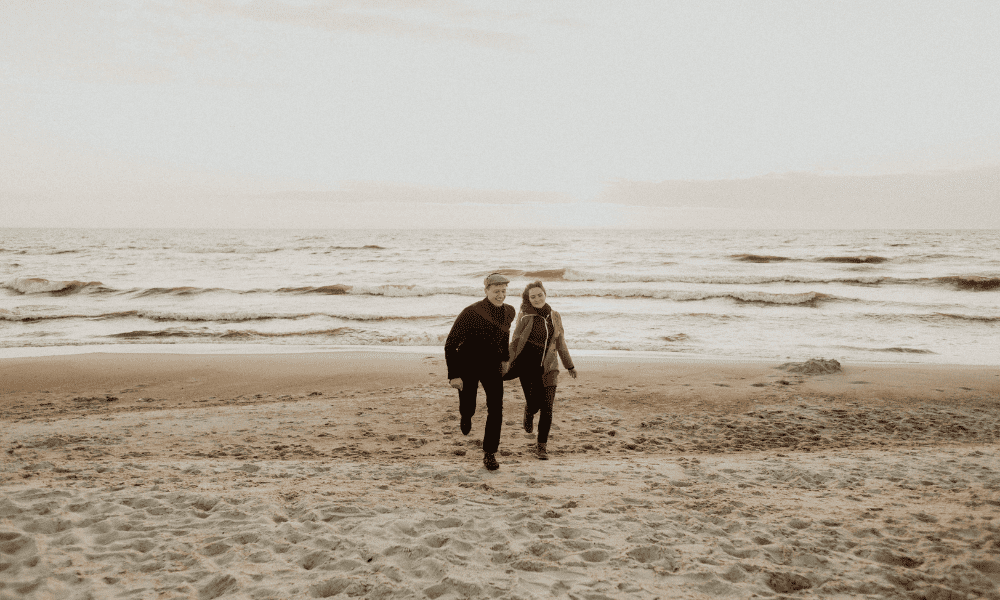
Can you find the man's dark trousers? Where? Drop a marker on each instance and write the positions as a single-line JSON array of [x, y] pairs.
[[493, 386]]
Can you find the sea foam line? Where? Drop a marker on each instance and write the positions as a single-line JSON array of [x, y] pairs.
[[220, 317]]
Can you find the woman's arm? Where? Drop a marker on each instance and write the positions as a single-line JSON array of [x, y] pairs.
[[518, 330], [563, 350]]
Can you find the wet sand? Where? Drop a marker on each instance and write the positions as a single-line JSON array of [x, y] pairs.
[[345, 474]]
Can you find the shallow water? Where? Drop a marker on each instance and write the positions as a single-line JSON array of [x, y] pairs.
[[911, 296]]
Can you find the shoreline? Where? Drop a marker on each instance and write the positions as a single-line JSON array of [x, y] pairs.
[[253, 349], [661, 380]]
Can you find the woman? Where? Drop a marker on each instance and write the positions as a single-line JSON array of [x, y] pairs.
[[538, 337]]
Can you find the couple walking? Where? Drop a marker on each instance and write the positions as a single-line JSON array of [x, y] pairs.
[[480, 350]]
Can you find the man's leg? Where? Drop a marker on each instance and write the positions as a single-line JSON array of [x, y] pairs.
[[467, 401], [493, 386]]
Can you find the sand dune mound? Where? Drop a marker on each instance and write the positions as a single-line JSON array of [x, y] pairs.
[[813, 366]]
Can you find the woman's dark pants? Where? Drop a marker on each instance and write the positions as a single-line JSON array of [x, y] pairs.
[[539, 398]]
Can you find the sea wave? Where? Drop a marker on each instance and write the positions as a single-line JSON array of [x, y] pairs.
[[919, 258], [403, 290], [576, 275], [343, 335], [333, 290], [225, 335], [417, 339], [893, 350], [679, 337], [723, 279], [902, 350], [174, 291], [760, 258], [974, 318], [644, 286], [769, 298], [766, 258], [211, 317], [974, 283], [12, 317], [853, 259], [802, 298], [541, 274], [38, 285], [224, 250]]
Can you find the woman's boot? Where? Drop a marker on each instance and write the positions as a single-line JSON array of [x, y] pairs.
[[541, 452]]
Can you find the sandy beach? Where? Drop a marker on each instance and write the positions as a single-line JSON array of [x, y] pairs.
[[345, 475]]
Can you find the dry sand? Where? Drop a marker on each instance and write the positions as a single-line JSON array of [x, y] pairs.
[[344, 474]]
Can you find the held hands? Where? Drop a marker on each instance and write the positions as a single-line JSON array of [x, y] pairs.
[[457, 383]]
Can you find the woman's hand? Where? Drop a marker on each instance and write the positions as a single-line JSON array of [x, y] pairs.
[[572, 373], [457, 383]]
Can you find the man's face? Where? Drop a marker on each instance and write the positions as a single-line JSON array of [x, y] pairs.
[[496, 293]]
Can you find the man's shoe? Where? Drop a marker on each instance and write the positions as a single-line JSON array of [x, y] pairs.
[[529, 420], [541, 453], [490, 461], [466, 425]]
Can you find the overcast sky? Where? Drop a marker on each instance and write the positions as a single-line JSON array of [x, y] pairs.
[[447, 113]]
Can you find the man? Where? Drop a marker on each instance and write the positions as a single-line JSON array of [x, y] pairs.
[[477, 352]]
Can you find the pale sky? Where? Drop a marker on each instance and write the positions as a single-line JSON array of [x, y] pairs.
[[448, 113]]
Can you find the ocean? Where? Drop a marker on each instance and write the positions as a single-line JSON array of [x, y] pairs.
[[859, 295]]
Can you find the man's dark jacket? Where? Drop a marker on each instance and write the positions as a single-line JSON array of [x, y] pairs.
[[479, 338]]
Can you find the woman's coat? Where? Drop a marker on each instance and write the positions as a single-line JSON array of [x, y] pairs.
[[555, 343]]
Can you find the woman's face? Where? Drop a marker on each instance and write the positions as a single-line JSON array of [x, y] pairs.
[[537, 297]]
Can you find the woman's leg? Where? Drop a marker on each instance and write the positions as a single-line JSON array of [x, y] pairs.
[[531, 385], [545, 408]]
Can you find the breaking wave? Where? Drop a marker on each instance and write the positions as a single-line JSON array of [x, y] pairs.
[[37, 285], [575, 275], [759, 258], [974, 318], [972, 282], [224, 250], [873, 260], [542, 274], [905, 350], [764, 258], [893, 350], [213, 317], [333, 290], [225, 335], [174, 291], [804, 298], [343, 335], [722, 279]]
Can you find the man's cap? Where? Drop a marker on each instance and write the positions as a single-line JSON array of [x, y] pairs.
[[494, 278]]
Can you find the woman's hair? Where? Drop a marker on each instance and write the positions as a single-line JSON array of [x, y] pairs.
[[527, 288]]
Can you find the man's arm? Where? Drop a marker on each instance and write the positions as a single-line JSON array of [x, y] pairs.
[[456, 337], [505, 347]]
